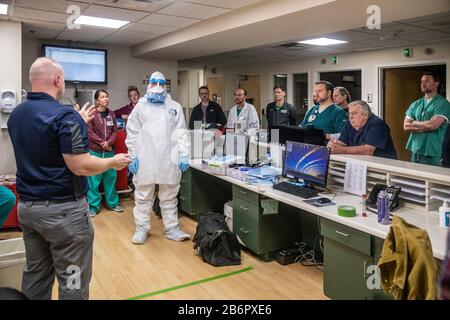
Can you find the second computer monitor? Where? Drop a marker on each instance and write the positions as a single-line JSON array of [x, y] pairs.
[[307, 162], [281, 134]]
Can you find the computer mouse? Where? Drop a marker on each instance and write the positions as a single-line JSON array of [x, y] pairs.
[[323, 200]]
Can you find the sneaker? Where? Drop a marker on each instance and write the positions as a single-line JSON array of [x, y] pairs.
[[117, 209], [139, 237], [92, 213], [176, 234]]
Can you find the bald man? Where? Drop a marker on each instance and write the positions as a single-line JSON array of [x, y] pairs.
[[51, 149]]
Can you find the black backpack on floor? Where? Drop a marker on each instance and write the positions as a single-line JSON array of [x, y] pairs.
[[215, 243]]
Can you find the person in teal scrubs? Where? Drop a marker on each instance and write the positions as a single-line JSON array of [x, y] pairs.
[[7, 202], [326, 115], [426, 119]]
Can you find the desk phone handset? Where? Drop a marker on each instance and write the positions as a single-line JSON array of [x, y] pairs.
[[392, 192]]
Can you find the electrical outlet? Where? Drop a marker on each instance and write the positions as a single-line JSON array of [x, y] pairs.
[[369, 97]]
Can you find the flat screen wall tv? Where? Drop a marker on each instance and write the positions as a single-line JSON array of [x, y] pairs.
[[83, 65]]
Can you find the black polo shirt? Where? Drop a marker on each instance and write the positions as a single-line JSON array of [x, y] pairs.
[[285, 116], [41, 130], [374, 133]]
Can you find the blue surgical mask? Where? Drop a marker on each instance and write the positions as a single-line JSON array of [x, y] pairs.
[[156, 98], [157, 94]]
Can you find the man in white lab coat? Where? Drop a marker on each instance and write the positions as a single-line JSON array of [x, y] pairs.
[[243, 112], [157, 141]]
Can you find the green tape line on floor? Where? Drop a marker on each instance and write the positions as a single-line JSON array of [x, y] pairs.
[[220, 276]]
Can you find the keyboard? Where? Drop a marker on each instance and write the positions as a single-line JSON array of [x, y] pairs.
[[299, 191]]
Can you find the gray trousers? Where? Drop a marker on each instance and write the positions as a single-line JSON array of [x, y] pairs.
[[58, 241]]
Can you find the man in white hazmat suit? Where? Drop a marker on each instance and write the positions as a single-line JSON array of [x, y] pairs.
[[158, 142]]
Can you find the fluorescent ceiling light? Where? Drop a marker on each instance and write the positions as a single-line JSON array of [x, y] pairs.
[[3, 8], [322, 42], [101, 22]]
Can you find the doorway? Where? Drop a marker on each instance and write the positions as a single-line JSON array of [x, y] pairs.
[[252, 85], [349, 79], [401, 87], [216, 90]]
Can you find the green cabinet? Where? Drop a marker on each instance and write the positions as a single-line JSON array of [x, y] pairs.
[[347, 255], [201, 192], [263, 234]]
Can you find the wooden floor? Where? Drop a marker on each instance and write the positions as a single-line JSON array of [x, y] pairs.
[[123, 270]]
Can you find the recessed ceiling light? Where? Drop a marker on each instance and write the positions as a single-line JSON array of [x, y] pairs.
[[3, 8], [322, 42], [101, 22]]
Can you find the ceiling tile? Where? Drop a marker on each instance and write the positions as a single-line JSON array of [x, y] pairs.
[[127, 38], [85, 34], [394, 28], [190, 10], [230, 4], [29, 24], [39, 33], [142, 27], [169, 21], [49, 5], [114, 13], [24, 14], [132, 4]]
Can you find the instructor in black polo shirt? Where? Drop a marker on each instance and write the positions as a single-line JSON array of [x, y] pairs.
[[279, 112], [207, 112], [51, 149]]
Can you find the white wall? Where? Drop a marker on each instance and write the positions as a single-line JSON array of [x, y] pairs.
[[369, 62], [123, 70], [10, 78]]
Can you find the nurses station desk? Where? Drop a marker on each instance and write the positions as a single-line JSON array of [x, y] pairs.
[[350, 245]]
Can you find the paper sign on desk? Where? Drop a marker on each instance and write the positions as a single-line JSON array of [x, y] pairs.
[[355, 177]]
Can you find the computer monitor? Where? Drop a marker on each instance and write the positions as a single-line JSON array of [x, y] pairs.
[[307, 162], [293, 133]]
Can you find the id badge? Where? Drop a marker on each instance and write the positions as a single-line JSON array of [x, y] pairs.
[[312, 118], [109, 123]]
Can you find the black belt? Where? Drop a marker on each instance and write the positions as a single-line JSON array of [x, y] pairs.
[[47, 202]]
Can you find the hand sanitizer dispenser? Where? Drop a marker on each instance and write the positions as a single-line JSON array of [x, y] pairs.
[[8, 101]]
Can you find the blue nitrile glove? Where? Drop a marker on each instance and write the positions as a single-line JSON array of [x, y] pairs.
[[133, 166], [184, 163]]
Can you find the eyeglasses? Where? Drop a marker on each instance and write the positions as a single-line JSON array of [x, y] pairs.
[[158, 81]]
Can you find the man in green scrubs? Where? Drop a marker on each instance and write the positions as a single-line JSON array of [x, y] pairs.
[[427, 119], [326, 115]]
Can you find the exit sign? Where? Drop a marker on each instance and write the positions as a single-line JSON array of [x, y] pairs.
[[334, 60], [407, 52]]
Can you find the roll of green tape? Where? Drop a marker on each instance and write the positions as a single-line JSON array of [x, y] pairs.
[[347, 211]]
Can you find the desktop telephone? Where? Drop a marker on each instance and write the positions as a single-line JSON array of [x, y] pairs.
[[392, 192]]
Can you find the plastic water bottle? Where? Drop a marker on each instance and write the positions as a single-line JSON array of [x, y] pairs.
[[383, 207]]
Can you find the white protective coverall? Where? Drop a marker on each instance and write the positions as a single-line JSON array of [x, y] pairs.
[[156, 135]]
